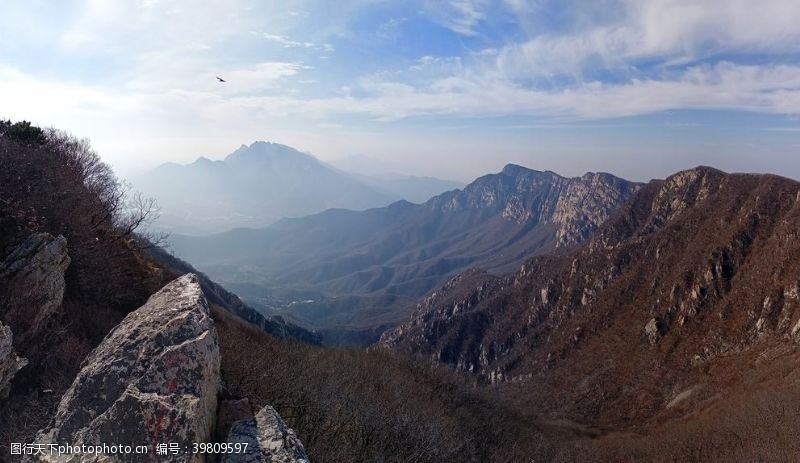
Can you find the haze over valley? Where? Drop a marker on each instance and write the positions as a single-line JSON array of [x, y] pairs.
[[258, 184], [351, 269]]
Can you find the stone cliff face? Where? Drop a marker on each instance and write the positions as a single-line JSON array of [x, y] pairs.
[[33, 281], [574, 206], [458, 295], [31, 291]]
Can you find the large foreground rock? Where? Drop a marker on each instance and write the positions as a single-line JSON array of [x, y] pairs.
[[32, 277], [10, 363], [153, 380], [268, 440]]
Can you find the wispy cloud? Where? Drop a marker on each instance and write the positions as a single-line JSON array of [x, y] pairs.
[[460, 16], [669, 32], [289, 43]]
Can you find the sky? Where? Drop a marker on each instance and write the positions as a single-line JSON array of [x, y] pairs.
[[451, 88]]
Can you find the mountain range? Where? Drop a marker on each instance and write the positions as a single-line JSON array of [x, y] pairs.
[[656, 322], [343, 268], [259, 184], [683, 303]]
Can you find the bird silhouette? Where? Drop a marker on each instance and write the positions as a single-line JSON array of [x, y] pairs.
[[221, 79]]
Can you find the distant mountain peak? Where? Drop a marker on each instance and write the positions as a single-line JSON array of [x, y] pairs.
[[515, 169], [254, 186], [202, 160], [266, 150]]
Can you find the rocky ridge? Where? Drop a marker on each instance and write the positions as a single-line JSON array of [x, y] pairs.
[[694, 271], [574, 206], [268, 439]]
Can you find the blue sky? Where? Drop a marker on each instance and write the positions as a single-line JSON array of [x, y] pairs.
[[454, 88]]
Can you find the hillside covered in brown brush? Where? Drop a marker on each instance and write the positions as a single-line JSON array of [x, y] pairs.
[[683, 306]]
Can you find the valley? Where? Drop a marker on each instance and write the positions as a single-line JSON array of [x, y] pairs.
[[587, 319], [359, 272]]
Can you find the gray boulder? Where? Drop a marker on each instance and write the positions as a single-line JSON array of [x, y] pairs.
[[10, 362], [153, 380], [654, 329], [33, 280], [268, 439]]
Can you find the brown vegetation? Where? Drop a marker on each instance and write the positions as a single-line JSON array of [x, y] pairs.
[[52, 182], [370, 406]]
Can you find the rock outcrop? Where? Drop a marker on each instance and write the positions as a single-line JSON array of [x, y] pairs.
[[653, 330], [153, 380], [268, 440], [10, 362], [32, 279]]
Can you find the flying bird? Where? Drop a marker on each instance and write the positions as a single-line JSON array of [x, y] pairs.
[[220, 79]]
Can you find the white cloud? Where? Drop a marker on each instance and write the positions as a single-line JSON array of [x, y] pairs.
[[668, 31], [287, 42], [261, 76], [725, 86]]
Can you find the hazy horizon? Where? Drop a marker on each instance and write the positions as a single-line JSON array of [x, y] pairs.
[[453, 89], [373, 166]]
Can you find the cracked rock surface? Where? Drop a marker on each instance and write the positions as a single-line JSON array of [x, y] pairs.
[[269, 440], [153, 380], [32, 278]]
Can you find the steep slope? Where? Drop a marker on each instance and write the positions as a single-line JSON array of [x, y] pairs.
[[254, 186], [687, 296], [346, 267]]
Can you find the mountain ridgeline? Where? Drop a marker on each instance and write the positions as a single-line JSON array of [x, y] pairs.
[[259, 184], [343, 269], [684, 302], [254, 186]]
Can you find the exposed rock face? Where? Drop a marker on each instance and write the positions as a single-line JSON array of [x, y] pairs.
[[458, 295], [10, 363], [268, 439], [575, 206], [154, 379], [33, 278]]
